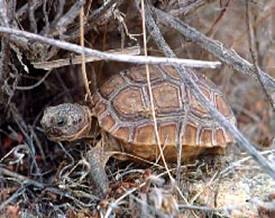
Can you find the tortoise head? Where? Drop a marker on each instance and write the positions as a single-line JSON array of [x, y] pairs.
[[66, 122]]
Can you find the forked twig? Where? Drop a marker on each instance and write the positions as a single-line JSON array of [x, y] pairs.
[[22, 13], [69, 16]]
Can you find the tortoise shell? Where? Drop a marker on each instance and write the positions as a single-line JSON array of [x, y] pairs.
[[122, 106]]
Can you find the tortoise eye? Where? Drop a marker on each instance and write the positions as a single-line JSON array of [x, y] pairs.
[[61, 121]]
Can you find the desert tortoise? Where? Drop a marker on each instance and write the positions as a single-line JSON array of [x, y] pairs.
[[122, 108]]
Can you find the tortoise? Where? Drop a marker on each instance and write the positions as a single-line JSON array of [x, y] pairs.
[[122, 108]]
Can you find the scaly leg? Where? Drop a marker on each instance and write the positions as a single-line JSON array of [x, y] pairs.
[[97, 159]]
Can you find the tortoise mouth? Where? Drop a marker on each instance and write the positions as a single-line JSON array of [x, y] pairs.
[[57, 135], [53, 132]]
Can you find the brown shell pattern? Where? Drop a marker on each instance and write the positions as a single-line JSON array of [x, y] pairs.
[[122, 107]]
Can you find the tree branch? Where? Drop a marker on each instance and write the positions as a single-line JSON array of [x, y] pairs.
[[108, 56], [218, 49]]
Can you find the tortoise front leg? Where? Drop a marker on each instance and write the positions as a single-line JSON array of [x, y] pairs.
[[97, 159]]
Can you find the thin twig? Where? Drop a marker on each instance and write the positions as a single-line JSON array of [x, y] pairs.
[[106, 56], [204, 188], [186, 7], [20, 178], [4, 60], [4, 56], [217, 21], [151, 93], [31, 10], [50, 28], [46, 17], [83, 58], [179, 145], [61, 6], [29, 140], [26, 88], [202, 208], [251, 42]]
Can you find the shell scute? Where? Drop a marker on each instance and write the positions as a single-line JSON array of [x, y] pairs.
[[111, 85], [138, 74], [145, 135], [220, 138], [123, 133], [171, 72], [206, 137], [100, 108], [189, 135], [168, 133], [222, 107], [196, 106], [166, 97], [107, 122], [129, 102]]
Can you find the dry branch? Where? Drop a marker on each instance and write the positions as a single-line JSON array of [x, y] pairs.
[[31, 11], [4, 58], [49, 65], [216, 115], [107, 56], [218, 49]]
